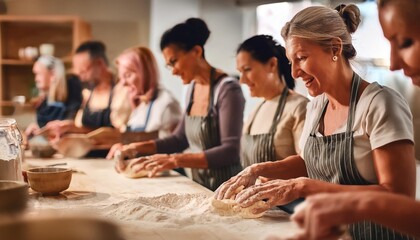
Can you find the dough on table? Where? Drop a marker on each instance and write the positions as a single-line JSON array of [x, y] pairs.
[[229, 207], [130, 172]]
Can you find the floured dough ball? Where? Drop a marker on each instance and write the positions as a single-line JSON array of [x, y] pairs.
[[229, 207], [248, 212], [224, 207], [131, 171]]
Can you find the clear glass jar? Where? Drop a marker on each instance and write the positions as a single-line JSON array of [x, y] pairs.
[[10, 150]]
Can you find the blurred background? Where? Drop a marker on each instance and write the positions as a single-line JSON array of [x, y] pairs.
[[124, 23]]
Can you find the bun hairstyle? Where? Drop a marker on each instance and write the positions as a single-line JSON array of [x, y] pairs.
[[262, 48], [322, 24], [186, 35], [350, 15]]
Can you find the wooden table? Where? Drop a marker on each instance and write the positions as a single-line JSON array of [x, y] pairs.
[[97, 188]]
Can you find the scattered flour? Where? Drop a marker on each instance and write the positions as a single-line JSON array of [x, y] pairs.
[[170, 210]]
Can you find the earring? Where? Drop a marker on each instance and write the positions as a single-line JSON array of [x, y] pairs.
[[271, 75], [335, 58]]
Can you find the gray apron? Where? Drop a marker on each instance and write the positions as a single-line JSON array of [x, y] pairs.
[[260, 147], [330, 159], [203, 133]]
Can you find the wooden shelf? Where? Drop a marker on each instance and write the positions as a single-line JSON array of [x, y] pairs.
[[66, 33], [14, 104], [27, 62], [16, 62]]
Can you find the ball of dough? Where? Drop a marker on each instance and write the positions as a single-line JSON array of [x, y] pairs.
[[224, 207], [130, 171], [248, 212]]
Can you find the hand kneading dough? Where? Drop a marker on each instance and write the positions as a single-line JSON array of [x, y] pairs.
[[130, 172], [228, 207]]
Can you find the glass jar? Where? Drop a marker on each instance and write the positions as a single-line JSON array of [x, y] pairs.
[[10, 150]]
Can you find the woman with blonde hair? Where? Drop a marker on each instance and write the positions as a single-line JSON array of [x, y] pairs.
[[59, 95]]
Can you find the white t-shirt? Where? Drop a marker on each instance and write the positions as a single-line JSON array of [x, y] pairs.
[[164, 114], [382, 116], [289, 128]]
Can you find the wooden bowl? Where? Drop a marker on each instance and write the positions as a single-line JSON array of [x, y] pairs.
[[49, 181], [13, 196]]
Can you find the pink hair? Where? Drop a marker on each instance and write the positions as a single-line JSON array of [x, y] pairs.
[[143, 62]]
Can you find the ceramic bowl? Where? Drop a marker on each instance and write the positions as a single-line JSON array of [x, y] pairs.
[[13, 196], [59, 227], [49, 181]]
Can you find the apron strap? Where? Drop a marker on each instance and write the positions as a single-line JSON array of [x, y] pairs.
[[280, 108], [277, 114], [213, 95], [353, 100]]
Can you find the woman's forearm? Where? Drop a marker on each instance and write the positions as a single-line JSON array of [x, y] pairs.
[[290, 167], [191, 160], [395, 211], [308, 187], [144, 148]]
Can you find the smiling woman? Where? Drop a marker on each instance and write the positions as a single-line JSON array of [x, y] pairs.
[[354, 131], [211, 127], [273, 129]]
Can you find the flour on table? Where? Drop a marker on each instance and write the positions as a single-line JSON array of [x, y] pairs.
[[169, 210]]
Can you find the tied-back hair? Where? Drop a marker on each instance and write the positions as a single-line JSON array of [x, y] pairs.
[[58, 87], [262, 48], [95, 49], [143, 62], [186, 35], [321, 25]]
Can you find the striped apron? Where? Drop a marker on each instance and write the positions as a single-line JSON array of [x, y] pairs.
[[330, 159], [203, 133], [260, 147]]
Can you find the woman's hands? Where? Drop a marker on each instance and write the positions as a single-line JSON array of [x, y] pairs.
[[322, 216], [153, 164], [31, 130], [274, 193], [228, 189], [125, 151], [57, 128]]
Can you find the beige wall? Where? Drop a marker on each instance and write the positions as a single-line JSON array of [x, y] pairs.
[[118, 23]]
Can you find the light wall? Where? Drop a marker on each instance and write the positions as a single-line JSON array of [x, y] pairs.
[[224, 20], [119, 24]]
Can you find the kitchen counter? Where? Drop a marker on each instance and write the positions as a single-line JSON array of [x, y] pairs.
[[169, 207]]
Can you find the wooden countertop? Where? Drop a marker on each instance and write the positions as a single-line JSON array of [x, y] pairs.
[[96, 187]]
